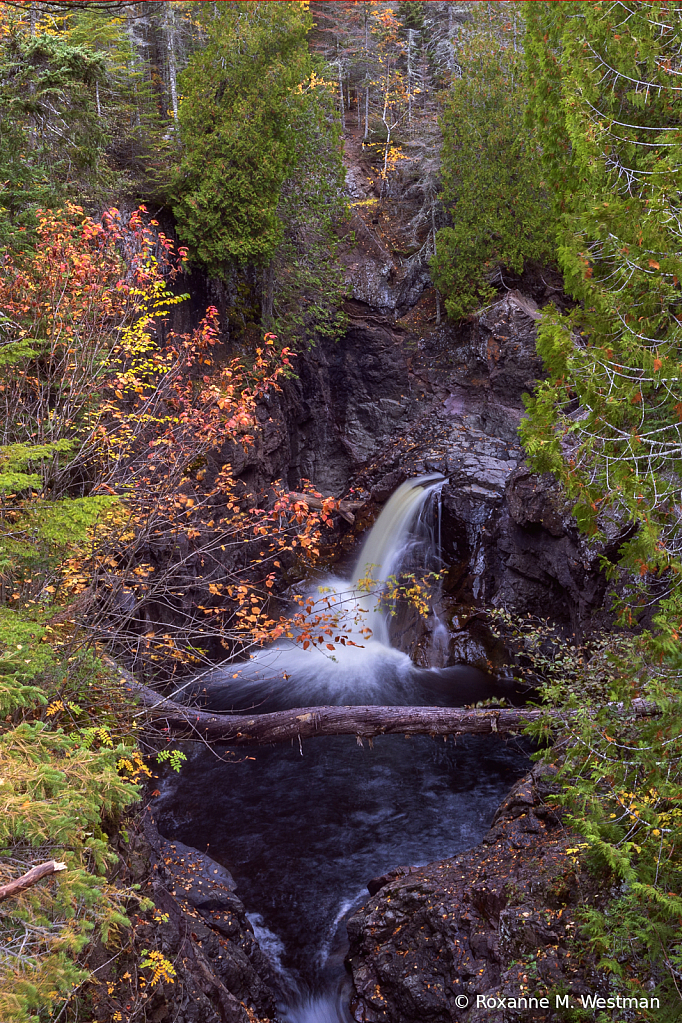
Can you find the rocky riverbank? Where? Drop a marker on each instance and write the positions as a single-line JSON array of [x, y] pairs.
[[191, 928], [496, 922], [400, 395]]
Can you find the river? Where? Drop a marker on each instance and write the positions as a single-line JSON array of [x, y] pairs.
[[304, 827]]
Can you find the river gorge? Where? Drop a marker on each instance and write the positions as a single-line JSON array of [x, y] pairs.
[[317, 820], [421, 420]]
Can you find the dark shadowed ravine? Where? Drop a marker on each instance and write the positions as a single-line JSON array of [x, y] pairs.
[[304, 827]]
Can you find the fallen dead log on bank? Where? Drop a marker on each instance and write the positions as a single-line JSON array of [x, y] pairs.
[[308, 722], [35, 874]]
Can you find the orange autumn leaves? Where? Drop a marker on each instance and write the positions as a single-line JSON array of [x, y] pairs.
[[139, 414]]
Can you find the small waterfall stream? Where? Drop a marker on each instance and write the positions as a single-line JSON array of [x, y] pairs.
[[303, 830]]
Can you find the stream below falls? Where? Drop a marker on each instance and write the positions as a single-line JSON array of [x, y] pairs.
[[304, 827]]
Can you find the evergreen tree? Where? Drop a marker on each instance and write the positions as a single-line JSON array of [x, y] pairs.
[[243, 97], [51, 140], [260, 183], [491, 172], [608, 420], [411, 14]]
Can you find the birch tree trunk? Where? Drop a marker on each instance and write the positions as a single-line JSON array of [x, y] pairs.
[[410, 39], [169, 29], [366, 74], [435, 252], [343, 110]]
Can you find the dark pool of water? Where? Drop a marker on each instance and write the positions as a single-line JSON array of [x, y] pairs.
[[304, 829]]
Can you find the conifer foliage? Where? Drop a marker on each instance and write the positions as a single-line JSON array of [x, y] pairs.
[[493, 190], [607, 420], [606, 91], [259, 183], [243, 98]]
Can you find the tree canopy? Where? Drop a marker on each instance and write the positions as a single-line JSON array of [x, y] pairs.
[[245, 94], [608, 419], [491, 172]]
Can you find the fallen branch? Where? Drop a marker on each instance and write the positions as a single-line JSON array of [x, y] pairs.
[[27, 880], [309, 722]]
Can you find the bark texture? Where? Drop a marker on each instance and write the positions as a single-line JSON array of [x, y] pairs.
[[365, 722], [31, 877]]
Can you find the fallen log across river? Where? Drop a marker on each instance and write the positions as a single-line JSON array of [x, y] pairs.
[[186, 722]]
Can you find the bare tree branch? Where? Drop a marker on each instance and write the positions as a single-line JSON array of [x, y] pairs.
[[47, 6], [27, 880]]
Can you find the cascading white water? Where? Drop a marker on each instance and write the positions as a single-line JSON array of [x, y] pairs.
[[304, 828], [365, 666], [388, 542]]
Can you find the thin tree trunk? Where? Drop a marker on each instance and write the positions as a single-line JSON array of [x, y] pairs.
[[389, 129], [135, 61], [385, 171], [366, 74], [410, 35], [452, 45], [343, 111], [435, 253], [169, 26]]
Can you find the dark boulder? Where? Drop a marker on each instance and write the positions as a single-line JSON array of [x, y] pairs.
[[498, 921]]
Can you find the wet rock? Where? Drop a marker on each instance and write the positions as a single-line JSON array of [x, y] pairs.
[[498, 920], [382, 490], [536, 501], [348, 399], [507, 533], [377, 883], [199, 926], [207, 931]]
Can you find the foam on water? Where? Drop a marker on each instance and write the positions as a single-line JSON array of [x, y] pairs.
[[319, 1009], [364, 667]]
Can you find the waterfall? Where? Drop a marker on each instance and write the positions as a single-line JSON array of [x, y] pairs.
[[384, 548], [304, 827], [388, 545], [364, 669]]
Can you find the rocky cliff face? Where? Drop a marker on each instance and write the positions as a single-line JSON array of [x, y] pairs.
[[401, 395], [387, 402]]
